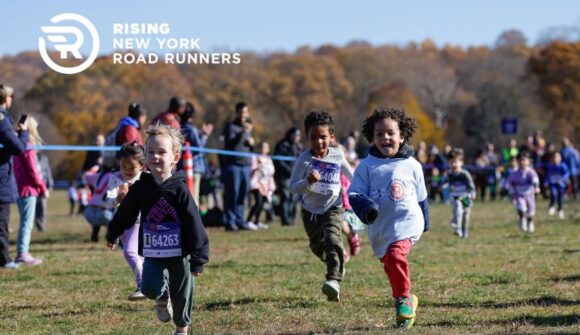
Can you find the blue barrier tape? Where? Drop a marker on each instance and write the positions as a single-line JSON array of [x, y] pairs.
[[117, 148]]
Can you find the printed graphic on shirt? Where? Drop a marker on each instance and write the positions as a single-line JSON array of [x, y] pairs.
[[397, 191], [329, 182], [162, 231], [458, 189]]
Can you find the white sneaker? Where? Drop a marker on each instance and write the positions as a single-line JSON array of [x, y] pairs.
[[252, 226], [331, 288], [551, 211], [561, 215], [164, 309], [262, 225], [137, 295], [523, 224], [531, 227]]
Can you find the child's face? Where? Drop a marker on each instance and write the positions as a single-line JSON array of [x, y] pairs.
[[556, 158], [160, 156], [387, 137], [456, 164], [265, 148], [130, 167], [513, 163], [320, 137], [524, 162]]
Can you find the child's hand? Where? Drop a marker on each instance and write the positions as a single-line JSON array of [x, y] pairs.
[[537, 190], [122, 192], [314, 177], [195, 274], [111, 246]]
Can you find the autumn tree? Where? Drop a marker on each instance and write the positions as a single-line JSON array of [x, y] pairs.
[[557, 67]]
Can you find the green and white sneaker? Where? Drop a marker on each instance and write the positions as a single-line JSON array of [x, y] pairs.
[[331, 288], [406, 309]]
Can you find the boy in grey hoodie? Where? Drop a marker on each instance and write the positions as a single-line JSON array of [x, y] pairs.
[[316, 177]]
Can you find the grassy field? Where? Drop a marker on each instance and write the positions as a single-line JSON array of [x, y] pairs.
[[499, 281]]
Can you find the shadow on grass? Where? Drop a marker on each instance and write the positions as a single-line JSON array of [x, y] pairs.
[[542, 321], [285, 302], [571, 278], [571, 251], [543, 301]]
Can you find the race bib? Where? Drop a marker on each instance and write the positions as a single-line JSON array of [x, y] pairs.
[[162, 240], [329, 183]]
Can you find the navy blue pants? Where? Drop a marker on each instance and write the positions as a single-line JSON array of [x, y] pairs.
[[236, 187]]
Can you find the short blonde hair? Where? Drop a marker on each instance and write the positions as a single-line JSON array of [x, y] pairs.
[[161, 129]]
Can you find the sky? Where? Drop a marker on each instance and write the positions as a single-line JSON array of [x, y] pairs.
[[271, 26]]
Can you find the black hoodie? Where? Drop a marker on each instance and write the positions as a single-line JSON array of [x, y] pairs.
[[174, 196]]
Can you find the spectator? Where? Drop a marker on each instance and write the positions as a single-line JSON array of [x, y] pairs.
[[236, 172], [130, 126], [492, 172], [197, 139], [43, 167], [171, 116], [571, 158], [509, 152], [94, 158], [421, 153], [481, 173], [262, 185], [73, 197], [13, 144], [288, 146], [30, 186]]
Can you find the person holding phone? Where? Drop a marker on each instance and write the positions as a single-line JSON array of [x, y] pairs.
[[236, 171], [14, 143]]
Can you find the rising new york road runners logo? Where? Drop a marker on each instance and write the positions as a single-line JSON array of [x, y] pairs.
[[397, 191], [68, 39]]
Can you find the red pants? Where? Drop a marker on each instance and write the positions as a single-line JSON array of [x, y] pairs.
[[397, 268]]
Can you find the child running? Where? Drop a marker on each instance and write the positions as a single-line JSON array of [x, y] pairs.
[[316, 177], [524, 184], [557, 176], [388, 192], [462, 191], [171, 236], [132, 159]]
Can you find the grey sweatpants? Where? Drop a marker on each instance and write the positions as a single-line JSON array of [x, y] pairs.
[[460, 220]]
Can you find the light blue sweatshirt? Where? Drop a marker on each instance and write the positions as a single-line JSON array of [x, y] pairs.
[[397, 186]]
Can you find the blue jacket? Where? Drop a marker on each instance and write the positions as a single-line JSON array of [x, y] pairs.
[[571, 158], [196, 140], [12, 145]]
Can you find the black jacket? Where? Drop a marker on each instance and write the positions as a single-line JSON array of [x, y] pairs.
[[12, 145], [144, 195], [286, 147], [236, 139]]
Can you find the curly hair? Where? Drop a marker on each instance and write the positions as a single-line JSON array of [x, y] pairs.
[[160, 129], [407, 124], [318, 118]]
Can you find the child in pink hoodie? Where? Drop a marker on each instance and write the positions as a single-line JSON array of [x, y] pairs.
[[30, 186]]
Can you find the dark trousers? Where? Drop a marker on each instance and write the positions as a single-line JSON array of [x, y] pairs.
[[556, 195], [173, 276], [40, 213], [4, 234], [236, 186], [325, 234], [287, 204], [256, 209]]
